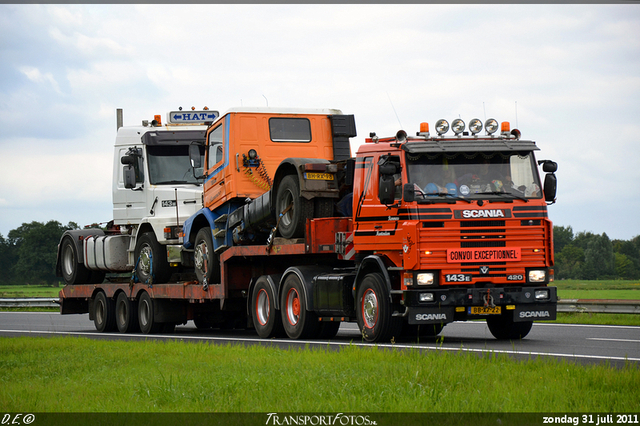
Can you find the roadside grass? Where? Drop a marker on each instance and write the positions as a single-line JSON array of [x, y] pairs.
[[18, 291], [81, 375]]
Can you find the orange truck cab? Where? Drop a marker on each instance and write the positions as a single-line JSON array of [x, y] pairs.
[[453, 228]]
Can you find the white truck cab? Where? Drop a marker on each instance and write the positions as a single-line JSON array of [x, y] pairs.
[[154, 189]]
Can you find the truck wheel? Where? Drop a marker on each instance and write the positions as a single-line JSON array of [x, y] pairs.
[[504, 328], [293, 222], [151, 259], [266, 319], [104, 313], [207, 264], [73, 272], [126, 314], [297, 321], [374, 310], [146, 315]]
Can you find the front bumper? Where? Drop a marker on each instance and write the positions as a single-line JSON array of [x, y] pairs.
[[448, 305]]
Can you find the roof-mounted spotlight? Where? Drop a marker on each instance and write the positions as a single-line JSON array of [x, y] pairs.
[[442, 127], [458, 126], [475, 126], [491, 126]]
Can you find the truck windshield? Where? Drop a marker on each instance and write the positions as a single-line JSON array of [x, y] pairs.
[[473, 175], [171, 164]]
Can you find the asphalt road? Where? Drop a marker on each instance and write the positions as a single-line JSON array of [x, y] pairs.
[[595, 344]]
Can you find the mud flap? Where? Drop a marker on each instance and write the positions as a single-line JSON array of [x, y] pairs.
[[430, 315], [535, 313]]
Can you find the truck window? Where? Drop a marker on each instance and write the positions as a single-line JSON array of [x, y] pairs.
[[290, 129], [170, 164], [474, 174], [215, 146]]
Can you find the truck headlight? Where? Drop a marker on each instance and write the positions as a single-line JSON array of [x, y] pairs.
[[541, 294], [537, 275], [425, 278], [425, 297]]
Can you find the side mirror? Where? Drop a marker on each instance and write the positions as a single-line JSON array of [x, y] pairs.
[[550, 187], [409, 193], [194, 156], [128, 159], [129, 175], [386, 189], [548, 166]]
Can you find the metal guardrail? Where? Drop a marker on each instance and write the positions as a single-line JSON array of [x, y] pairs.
[[599, 306], [30, 302]]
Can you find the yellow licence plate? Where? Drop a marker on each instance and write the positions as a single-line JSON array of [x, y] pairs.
[[319, 176], [481, 310]]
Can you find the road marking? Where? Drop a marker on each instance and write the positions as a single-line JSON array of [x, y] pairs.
[[613, 340], [332, 343]]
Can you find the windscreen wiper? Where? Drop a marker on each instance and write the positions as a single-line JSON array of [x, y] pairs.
[[526, 200], [444, 194]]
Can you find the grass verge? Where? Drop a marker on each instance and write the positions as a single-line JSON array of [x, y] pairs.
[[81, 375]]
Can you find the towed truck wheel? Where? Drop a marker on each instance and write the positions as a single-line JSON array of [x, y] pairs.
[[152, 266], [297, 321], [504, 328], [293, 221], [266, 319], [374, 311], [73, 272], [207, 265]]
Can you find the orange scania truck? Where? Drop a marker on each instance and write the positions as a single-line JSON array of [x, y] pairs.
[[296, 236]]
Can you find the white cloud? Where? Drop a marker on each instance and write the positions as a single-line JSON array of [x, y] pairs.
[[574, 71]]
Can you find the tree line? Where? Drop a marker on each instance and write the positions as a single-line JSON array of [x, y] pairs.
[[589, 256], [28, 254]]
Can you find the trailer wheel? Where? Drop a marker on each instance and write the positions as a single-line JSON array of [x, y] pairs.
[[206, 261], [266, 319], [504, 328], [293, 222], [73, 272], [104, 313], [297, 321], [146, 315], [151, 259], [374, 310], [126, 314]]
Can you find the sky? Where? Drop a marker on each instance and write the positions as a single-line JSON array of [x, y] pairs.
[[567, 76]]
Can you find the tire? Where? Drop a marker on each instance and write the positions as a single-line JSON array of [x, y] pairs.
[[146, 315], [152, 266], [73, 272], [292, 224], [297, 321], [504, 328], [374, 310], [323, 207], [266, 319], [207, 264], [126, 314], [104, 313], [328, 329]]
